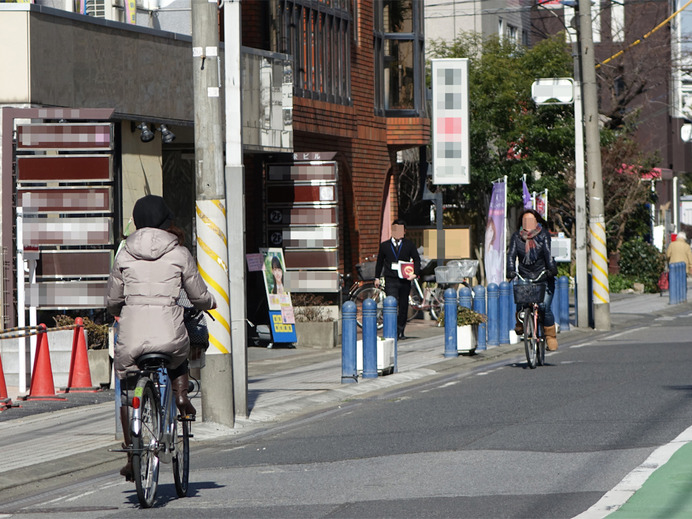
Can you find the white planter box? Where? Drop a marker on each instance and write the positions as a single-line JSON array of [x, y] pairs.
[[385, 356], [467, 338]]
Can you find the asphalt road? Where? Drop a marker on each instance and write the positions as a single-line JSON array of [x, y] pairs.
[[495, 441]]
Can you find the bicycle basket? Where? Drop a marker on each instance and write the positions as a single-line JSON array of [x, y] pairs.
[[366, 270], [448, 275], [468, 267], [529, 293]]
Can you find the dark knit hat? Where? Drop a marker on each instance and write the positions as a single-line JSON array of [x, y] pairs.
[[152, 211]]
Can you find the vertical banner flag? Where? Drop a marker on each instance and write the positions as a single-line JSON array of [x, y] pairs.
[[526, 196], [542, 205], [450, 121], [495, 235], [131, 11]]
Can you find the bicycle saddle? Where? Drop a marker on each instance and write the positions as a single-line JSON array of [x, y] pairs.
[[428, 278], [153, 360]]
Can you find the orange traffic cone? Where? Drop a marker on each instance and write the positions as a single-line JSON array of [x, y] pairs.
[[42, 386], [79, 380], [5, 400]]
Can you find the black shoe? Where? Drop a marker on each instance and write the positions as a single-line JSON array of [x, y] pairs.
[[402, 337]]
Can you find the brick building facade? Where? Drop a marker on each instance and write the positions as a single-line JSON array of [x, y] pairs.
[[349, 121]]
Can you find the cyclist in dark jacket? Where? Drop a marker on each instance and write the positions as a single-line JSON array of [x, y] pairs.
[[530, 245]]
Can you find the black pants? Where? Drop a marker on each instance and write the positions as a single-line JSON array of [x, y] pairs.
[[400, 289]]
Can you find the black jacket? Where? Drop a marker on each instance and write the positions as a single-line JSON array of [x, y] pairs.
[[389, 254], [544, 261]]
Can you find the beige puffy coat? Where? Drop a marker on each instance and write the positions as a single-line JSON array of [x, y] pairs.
[[143, 288]]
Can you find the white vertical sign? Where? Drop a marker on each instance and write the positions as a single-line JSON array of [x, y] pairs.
[[450, 121]]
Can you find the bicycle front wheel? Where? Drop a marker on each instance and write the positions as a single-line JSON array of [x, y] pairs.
[[375, 294], [145, 462], [181, 459], [415, 303], [530, 342]]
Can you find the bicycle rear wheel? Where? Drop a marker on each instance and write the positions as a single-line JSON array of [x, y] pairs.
[[374, 293], [437, 302], [145, 462], [530, 342], [181, 460]]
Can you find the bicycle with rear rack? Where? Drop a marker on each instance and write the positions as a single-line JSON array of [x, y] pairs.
[[528, 295], [159, 433], [431, 296]]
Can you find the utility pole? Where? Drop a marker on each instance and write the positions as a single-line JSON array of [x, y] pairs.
[[212, 248], [582, 284], [235, 182], [599, 251]]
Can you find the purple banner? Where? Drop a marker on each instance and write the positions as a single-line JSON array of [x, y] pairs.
[[495, 236], [528, 204]]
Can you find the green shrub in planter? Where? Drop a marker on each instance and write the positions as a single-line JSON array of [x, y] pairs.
[[465, 317], [641, 262]]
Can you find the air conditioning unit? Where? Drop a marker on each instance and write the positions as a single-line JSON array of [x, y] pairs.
[[108, 9], [97, 8]]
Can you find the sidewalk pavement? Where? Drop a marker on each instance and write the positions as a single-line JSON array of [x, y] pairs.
[[283, 383]]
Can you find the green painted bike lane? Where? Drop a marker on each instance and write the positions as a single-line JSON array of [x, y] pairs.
[[666, 494]]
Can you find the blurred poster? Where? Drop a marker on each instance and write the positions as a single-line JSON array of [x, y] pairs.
[[495, 235], [280, 306]]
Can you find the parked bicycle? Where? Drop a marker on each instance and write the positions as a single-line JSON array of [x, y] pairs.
[[159, 434], [428, 298], [529, 294]]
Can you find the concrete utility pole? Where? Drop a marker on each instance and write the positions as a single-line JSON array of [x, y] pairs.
[[580, 193], [212, 246], [599, 251], [235, 182]]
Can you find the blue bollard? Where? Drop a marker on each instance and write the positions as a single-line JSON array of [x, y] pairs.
[[563, 290], [672, 284], [465, 297], [451, 323], [504, 320], [493, 315], [389, 328], [348, 343], [683, 285], [479, 307], [369, 339], [555, 304]]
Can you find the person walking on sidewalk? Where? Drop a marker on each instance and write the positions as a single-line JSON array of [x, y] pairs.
[[679, 251], [530, 245], [142, 292], [399, 263]]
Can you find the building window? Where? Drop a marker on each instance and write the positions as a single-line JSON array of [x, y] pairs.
[[317, 33], [399, 58]]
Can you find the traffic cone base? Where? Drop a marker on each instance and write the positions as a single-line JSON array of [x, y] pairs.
[[5, 401], [42, 386]]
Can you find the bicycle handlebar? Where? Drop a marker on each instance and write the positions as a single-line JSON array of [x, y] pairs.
[[532, 280]]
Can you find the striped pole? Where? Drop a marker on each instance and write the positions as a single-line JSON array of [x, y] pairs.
[[599, 270], [212, 261]]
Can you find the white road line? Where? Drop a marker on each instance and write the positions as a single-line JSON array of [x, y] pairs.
[[620, 493]]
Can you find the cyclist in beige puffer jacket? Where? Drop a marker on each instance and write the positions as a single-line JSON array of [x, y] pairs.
[[142, 291]]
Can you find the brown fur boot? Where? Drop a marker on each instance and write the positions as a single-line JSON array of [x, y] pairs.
[[180, 388], [519, 327], [551, 338]]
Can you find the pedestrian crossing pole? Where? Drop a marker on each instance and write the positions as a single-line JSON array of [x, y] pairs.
[[597, 232], [212, 241]]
